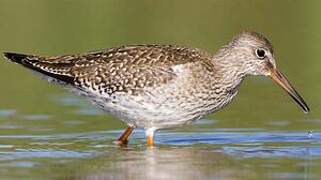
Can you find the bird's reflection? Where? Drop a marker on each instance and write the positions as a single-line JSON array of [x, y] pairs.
[[164, 163]]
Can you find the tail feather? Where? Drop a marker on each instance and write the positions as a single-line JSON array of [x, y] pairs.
[[15, 57], [36, 63]]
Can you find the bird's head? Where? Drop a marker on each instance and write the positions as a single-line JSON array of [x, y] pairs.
[[253, 54]]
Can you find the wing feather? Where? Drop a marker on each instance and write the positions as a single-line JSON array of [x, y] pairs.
[[127, 68]]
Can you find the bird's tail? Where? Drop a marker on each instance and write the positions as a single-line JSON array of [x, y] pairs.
[[15, 57], [52, 69]]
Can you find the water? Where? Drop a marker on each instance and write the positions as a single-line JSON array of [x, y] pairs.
[[205, 154], [47, 133]]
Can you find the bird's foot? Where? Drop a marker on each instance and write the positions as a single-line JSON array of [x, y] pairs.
[[123, 139], [150, 137], [121, 143]]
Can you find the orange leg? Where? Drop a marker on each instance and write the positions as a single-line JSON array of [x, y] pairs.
[[123, 139], [150, 137], [150, 141]]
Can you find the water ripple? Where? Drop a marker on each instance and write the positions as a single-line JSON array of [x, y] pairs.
[[250, 144]]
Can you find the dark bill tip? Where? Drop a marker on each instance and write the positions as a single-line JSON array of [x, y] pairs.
[[282, 81]]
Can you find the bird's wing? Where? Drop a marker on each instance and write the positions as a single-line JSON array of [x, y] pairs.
[[127, 69]]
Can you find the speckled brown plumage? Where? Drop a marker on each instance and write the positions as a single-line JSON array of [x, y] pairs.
[[125, 69], [158, 86]]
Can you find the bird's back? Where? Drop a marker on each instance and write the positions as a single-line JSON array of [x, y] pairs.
[[126, 68], [131, 82]]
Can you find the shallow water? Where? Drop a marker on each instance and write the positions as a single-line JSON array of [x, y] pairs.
[[203, 153], [47, 133]]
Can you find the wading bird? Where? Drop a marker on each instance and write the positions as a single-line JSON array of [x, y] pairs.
[[160, 86]]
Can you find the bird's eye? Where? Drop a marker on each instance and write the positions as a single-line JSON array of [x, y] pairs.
[[260, 53]]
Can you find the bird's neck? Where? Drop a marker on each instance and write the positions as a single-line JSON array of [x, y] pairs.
[[228, 69]]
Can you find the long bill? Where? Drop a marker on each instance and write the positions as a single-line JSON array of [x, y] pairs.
[[282, 81]]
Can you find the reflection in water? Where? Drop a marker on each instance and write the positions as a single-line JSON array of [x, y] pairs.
[[202, 155], [207, 154], [164, 163]]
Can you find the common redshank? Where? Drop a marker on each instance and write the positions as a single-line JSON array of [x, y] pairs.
[[161, 86]]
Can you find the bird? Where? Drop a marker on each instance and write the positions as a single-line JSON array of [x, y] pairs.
[[157, 87]]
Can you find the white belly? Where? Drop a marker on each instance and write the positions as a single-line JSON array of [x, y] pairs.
[[165, 106], [159, 109]]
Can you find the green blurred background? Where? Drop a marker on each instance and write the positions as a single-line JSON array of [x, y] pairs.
[[67, 26]]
